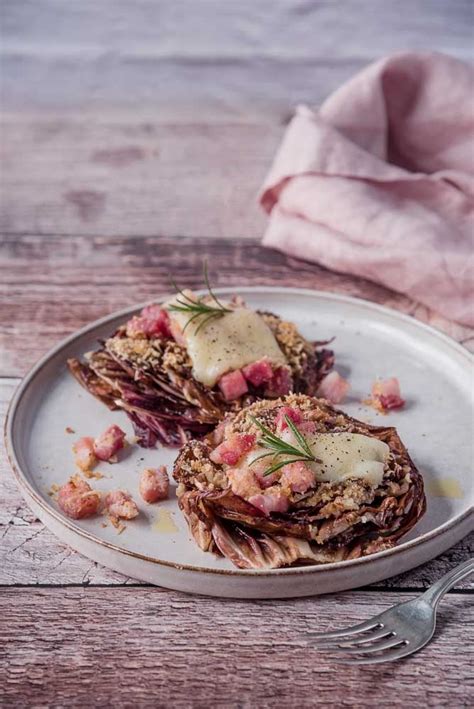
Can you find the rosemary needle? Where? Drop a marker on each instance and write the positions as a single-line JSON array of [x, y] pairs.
[[196, 308], [278, 447]]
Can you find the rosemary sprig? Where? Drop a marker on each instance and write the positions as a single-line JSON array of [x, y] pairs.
[[197, 308], [278, 447]]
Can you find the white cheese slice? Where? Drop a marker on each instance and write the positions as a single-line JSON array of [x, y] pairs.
[[227, 343], [345, 455]]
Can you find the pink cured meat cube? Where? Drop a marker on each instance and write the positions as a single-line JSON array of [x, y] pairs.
[[78, 500], [386, 394], [280, 384], [298, 476], [265, 480], [119, 504], [268, 503], [233, 448], [257, 373], [84, 453], [307, 428], [293, 414], [334, 388], [154, 484], [107, 445], [233, 385], [153, 321]]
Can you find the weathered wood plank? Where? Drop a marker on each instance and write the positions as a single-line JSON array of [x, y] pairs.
[[215, 61], [143, 647], [53, 285], [129, 178], [30, 554]]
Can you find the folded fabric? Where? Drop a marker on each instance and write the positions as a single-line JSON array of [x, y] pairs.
[[379, 183]]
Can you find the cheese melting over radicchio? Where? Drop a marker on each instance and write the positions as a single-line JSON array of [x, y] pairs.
[[227, 343], [345, 455]]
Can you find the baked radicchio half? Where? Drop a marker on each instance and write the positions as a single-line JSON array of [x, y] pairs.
[[295, 481], [178, 368]]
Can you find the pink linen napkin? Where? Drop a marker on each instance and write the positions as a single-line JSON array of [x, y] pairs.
[[379, 182]]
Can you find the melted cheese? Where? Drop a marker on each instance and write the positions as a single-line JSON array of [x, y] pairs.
[[345, 455], [227, 343]]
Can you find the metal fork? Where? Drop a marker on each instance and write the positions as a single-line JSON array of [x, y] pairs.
[[395, 633]]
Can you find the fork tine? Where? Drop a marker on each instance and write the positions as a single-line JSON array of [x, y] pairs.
[[390, 656], [361, 639], [368, 648], [351, 630]]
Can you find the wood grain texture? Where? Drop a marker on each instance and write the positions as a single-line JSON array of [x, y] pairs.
[[218, 60], [145, 647], [133, 177], [52, 285]]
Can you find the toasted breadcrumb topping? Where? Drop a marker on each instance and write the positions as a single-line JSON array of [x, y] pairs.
[[147, 353], [295, 348], [175, 357], [152, 354], [206, 475]]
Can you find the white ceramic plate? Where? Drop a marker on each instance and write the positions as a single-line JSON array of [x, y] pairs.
[[436, 379]]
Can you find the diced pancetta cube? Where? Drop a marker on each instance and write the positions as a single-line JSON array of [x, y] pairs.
[[232, 448], [257, 373], [307, 428], [243, 482], [259, 467], [333, 387], [77, 499], [85, 457], [280, 384], [154, 484], [265, 480], [386, 394], [233, 385], [177, 332], [293, 414], [119, 504], [297, 476], [269, 502], [107, 445], [153, 321]]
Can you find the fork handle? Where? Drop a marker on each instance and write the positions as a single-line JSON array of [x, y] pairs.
[[435, 593]]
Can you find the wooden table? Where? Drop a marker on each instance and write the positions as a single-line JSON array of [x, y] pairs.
[[94, 218]]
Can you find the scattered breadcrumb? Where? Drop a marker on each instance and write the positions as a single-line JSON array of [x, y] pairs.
[[117, 523], [93, 474], [374, 404], [54, 489]]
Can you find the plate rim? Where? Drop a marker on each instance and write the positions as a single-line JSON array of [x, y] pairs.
[[26, 487]]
